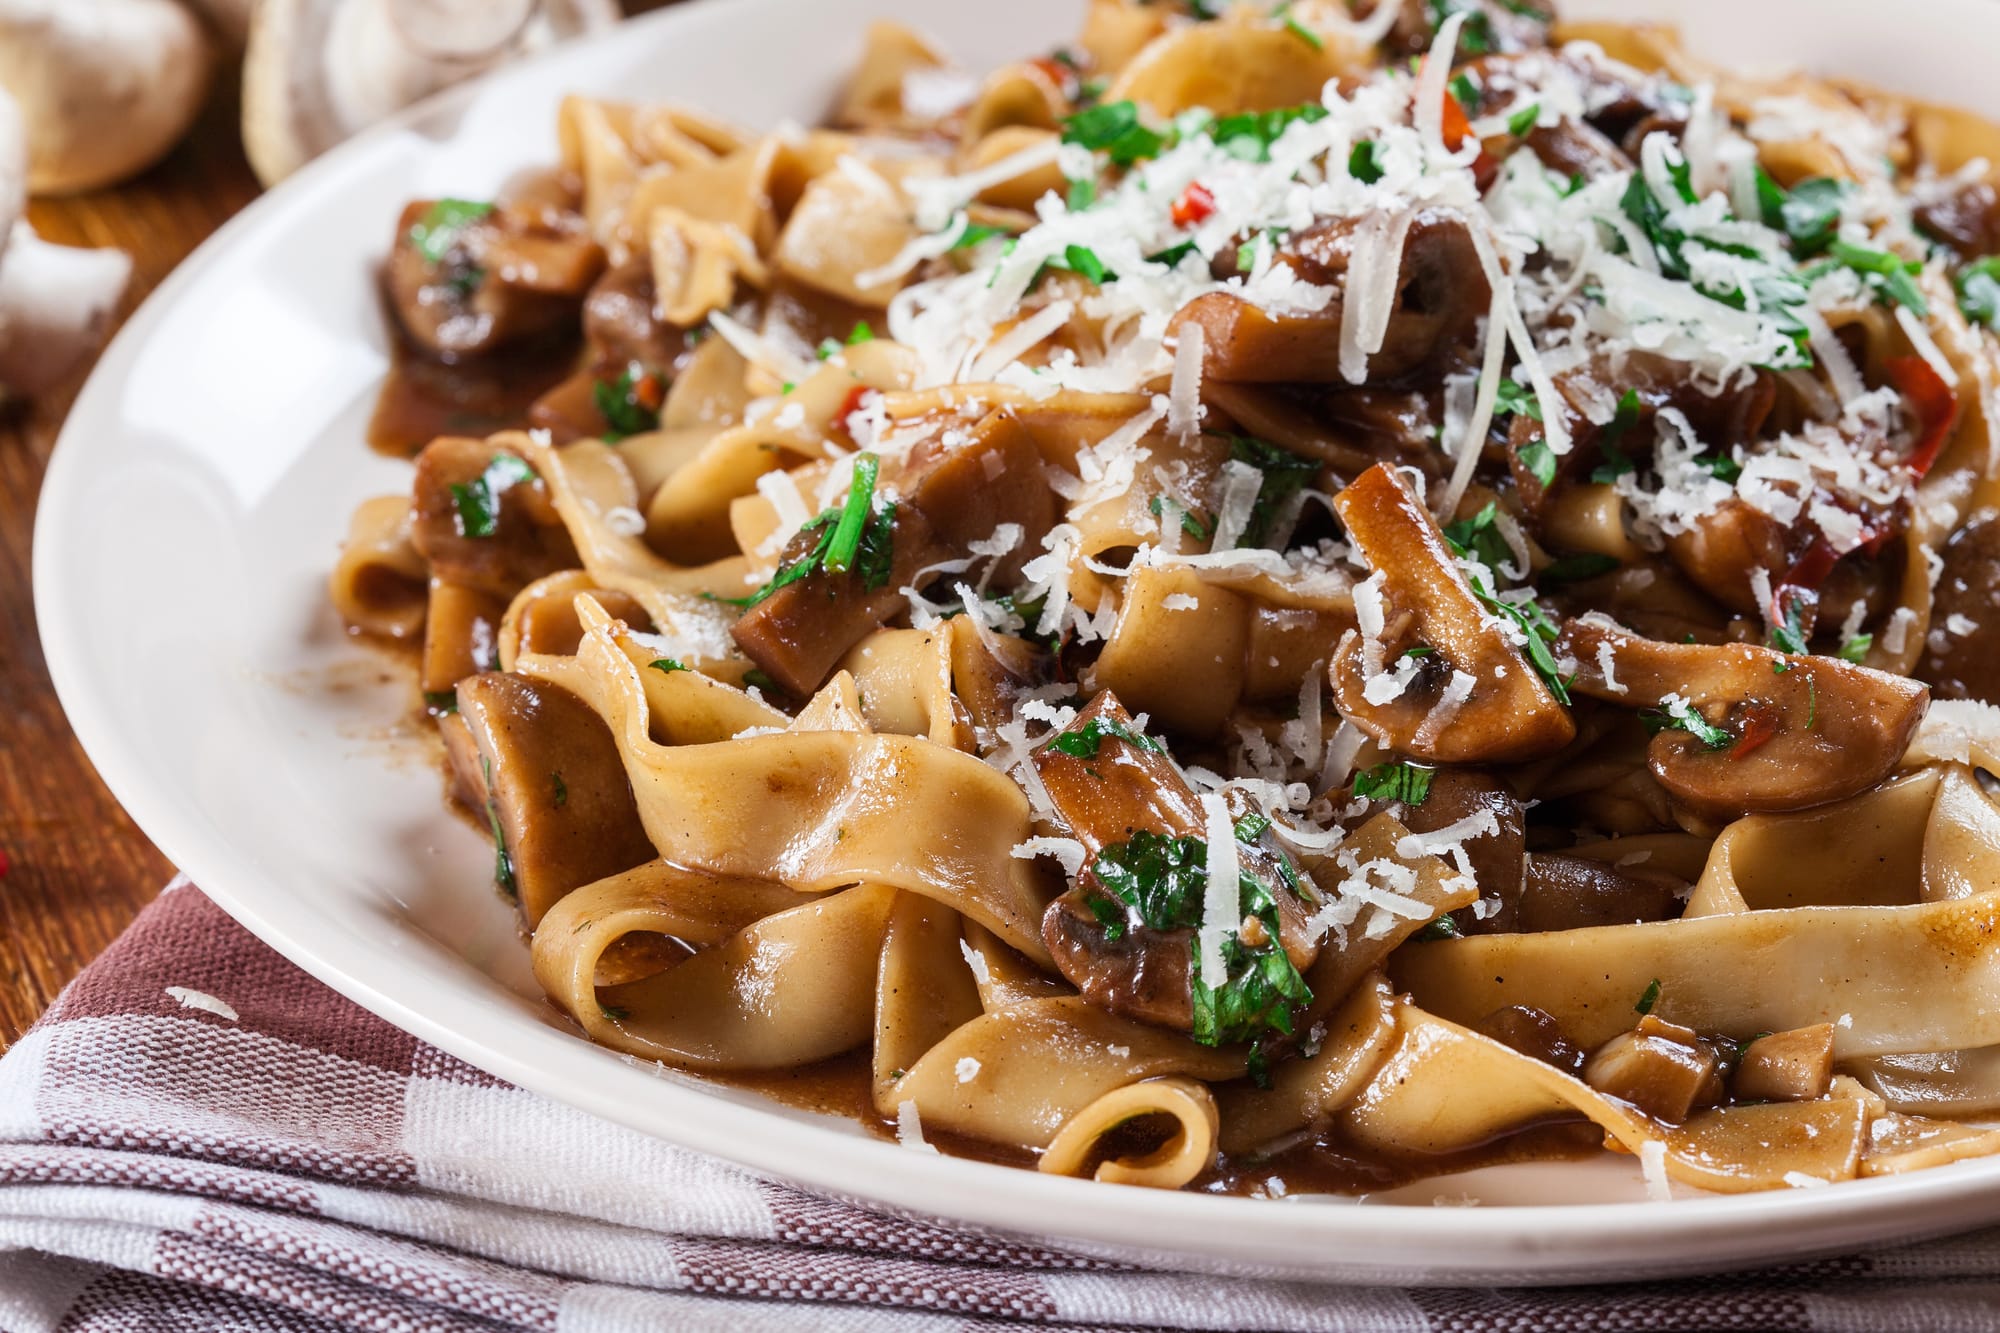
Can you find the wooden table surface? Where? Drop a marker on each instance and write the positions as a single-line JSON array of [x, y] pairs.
[[76, 869]]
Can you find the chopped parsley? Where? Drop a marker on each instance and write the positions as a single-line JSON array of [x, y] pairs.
[[1082, 259], [1161, 879], [1808, 214], [1464, 90], [1888, 274], [1789, 634], [1082, 742], [1476, 37], [1190, 524], [1444, 928], [1248, 135], [1298, 29], [1114, 128], [503, 863], [1616, 463], [614, 1013], [1394, 782], [1540, 460], [1173, 254], [1364, 163], [1082, 194], [1577, 568], [1978, 286], [861, 333], [1534, 625], [476, 503], [974, 233], [1521, 122], [1649, 999], [857, 537], [755, 679], [1285, 475], [1680, 715], [1479, 537], [441, 701], [444, 225], [666, 666], [630, 404], [1514, 398], [1855, 650], [561, 790]]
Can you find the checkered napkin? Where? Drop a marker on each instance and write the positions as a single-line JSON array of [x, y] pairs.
[[199, 1136]]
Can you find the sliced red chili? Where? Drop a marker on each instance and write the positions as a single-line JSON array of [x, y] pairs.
[[1811, 568], [1455, 129], [848, 407], [1935, 405], [1196, 204], [649, 391], [1061, 75], [1760, 724]]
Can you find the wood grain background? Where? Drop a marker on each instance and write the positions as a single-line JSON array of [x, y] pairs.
[[76, 869]]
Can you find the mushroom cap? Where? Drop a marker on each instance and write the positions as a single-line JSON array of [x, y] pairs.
[[317, 71], [105, 88]]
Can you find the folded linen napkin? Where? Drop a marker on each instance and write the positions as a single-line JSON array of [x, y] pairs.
[[198, 1135]]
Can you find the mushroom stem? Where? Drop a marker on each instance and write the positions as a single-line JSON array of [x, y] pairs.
[[55, 304]]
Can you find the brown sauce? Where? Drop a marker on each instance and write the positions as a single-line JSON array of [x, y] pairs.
[[423, 397], [1324, 1165]]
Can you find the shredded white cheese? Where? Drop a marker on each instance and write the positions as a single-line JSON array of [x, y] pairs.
[[194, 999]]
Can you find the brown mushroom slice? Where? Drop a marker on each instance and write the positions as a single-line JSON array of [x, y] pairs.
[[1782, 732], [461, 636], [466, 283], [1794, 1066], [1661, 1068], [621, 319], [1507, 716], [1534, 1033], [952, 497], [484, 522], [1439, 296], [1108, 783], [1497, 859], [552, 785], [1961, 657], [1569, 892]]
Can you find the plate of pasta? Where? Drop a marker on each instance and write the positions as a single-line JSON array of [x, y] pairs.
[[1184, 628]]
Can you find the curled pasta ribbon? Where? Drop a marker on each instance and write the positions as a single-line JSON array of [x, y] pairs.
[[1186, 1153], [380, 584]]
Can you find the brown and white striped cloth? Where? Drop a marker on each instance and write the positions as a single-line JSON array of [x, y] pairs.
[[284, 1160]]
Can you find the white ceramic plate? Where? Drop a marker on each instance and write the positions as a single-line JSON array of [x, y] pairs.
[[206, 475]]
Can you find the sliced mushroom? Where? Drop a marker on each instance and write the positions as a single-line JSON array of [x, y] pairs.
[[1534, 1033], [1507, 715], [1440, 295], [455, 479], [1498, 859], [1102, 798], [1783, 732], [1570, 892], [952, 495], [550, 783], [466, 279], [1662, 1068], [621, 320], [1794, 1066]]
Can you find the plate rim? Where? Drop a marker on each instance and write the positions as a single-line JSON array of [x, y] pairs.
[[1525, 1244]]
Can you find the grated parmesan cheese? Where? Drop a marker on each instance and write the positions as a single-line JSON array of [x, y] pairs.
[[1653, 1166], [910, 1129], [188, 998], [1221, 909]]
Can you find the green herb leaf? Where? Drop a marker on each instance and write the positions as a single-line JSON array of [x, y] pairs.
[[845, 543], [1082, 742], [1248, 135], [1464, 90], [1298, 29], [1394, 782], [630, 404], [1978, 286], [443, 225], [1679, 715], [1444, 928], [1191, 525], [476, 503], [1364, 163], [1810, 213], [1084, 260], [1649, 999], [1855, 650], [1162, 879], [503, 863], [1514, 398], [1540, 460], [666, 666], [1082, 194], [1285, 475], [856, 537], [1529, 616], [1479, 537], [1173, 254], [1475, 38], [1522, 122], [561, 790], [441, 701], [1114, 128], [1789, 634], [1616, 464], [1577, 568], [1889, 274], [974, 233]]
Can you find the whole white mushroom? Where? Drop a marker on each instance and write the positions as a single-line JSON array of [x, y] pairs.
[[105, 87], [318, 70], [55, 301]]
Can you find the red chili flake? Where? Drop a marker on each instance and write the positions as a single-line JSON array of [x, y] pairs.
[[5, 864], [1760, 724], [848, 407], [1455, 129], [1061, 75], [1935, 405], [649, 391], [1809, 570], [1195, 205]]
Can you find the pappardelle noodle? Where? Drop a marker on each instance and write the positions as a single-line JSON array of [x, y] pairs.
[[1271, 596]]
